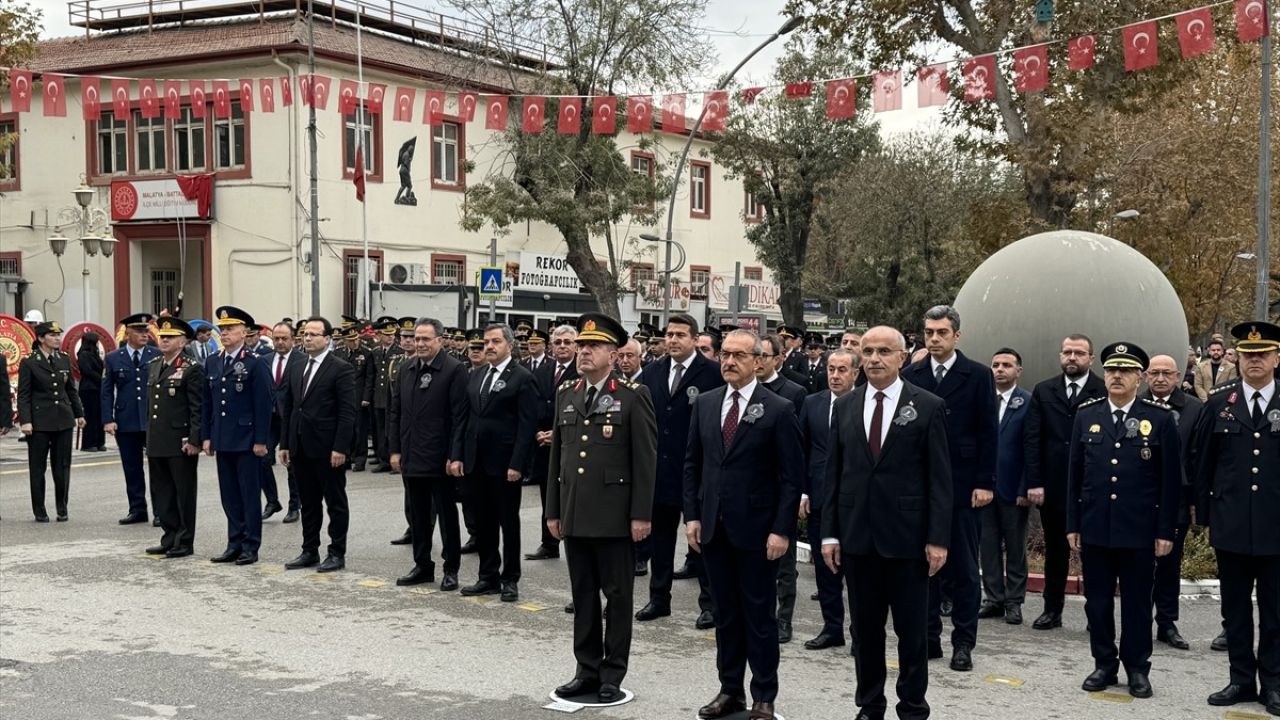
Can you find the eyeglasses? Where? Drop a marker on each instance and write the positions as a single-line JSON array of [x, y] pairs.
[[737, 356], [768, 355], [563, 341]]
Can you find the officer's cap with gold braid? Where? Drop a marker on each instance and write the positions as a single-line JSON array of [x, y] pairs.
[[475, 338], [138, 321], [407, 324], [174, 327], [538, 336], [1124, 356], [49, 327], [1255, 337], [597, 327], [231, 315], [386, 325]]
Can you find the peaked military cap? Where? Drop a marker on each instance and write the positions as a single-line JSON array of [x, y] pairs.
[[1124, 355]]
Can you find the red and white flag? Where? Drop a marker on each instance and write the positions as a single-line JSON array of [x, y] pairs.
[[403, 110], [377, 94], [347, 99], [320, 91], [266, 95], [221, 99], [91, 97], [1080, 52], [673, 113], [432, 107], [569, 121], [20, 90], [120, 102], [467, 106], [246, 95], [1251, 20], [172, 99], [933, 85], [886, 93], [640, 113], [1140, 45], [715, 111], [495, 114], [797, 90], [148, 99], [304, 89], [199, 97], [604, 115], [980, 78], [1031, 68], [357, 177], [55, 95], [535, 108], [842, 99], [286, 92], [750, 94], [1195, 32]]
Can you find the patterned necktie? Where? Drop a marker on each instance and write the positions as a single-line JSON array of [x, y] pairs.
[[730, 427], [1119, 422], [940, 373], [488, 383], [676, 376], [877, 421], [1257, 408], [306, 377], [559, 373]]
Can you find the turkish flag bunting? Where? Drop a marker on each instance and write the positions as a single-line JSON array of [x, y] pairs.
[[640, 113], [842, 99], [797, 90], [91, 97], [149, 101], [221, 99], [1195, 32], [1251, 20], [172, 99], [286, 92], [570, 119], [432, 107], [715, 111], [246, 95], [467, 106], [886, 94], [933, 84], [377, 94], [1080, 52], [1140, 46], [750, 94], [403, 111], [20, 90], [320, 91], [495, 115], [55, 95], [357, 177], [198, 97], [347, 99], [266, 95], [304, 88], [980, 78], [1031, 68], [535, 108], [673, 113], [120, 102], [604, 115]]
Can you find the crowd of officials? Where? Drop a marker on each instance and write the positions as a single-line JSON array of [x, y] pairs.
[[914, 480]]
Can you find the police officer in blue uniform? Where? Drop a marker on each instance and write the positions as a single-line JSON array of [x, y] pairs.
[[237, 423], [1124, 481], [124, 408]]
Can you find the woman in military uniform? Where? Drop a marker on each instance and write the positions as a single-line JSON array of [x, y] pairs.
[[48, 408]]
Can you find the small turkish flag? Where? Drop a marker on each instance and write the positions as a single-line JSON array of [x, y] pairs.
[[1195, 32], [403, 110], [304, 88], [20, 90], [715, 111], [1251, 20], [320, 91], [266, 95], [246, 95], [55, 95], [286, 92], [91, 97], [673, 120], [797, 90], [120, 89], [172, 99], [750, 94], [495, 115], [149, 103], [1140, 46], [377, 94], [467, 106], [980, 78], [347, 99], [357, 177], [1080, 52], [640, 114], [933, 84], [604, 115], [1031, 69], [198, 97], [886, 94], [841, 99], [570, 120], [221, 99], [432, 107], [535, 108]]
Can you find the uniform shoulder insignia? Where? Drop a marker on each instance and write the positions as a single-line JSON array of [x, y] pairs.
[[566, 384], [1226, 386], [155, 359], [1091, 401], [1156, 403]]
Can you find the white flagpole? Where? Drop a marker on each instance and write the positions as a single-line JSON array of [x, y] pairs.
[[364, 169]]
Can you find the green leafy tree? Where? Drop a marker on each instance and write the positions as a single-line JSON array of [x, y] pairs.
[[19, 31]]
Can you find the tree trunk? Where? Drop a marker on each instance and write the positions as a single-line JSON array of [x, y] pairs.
[[594, 278], [791, 302]]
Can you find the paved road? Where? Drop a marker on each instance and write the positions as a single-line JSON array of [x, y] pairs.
[[90, 627]]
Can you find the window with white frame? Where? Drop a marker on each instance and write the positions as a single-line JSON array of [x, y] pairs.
[[447, 272], [444, 153], [113, 145], [229, 139], [188, 141], [148, 144]]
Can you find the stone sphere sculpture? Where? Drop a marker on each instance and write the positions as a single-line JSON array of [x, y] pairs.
[[1036, 291]]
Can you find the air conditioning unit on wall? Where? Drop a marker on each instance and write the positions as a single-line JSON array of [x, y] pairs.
[[409, 274]]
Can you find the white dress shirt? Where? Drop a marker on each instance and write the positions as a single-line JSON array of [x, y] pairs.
[[500, 367], [280, 363], [671, 369], [950, 363], [1078, 382], [1127, 407], [744, 396], [1267, 393], [1005, 397], [891, 395]]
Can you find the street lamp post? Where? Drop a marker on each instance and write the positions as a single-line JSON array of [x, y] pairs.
[[1122, 215], [84, 216], [787, 27]]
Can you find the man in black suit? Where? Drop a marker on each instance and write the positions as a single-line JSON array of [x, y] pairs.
[[888, 501], [318, 414], [675, 384], [969, 392], [1046, 435], [548, 376], [426, 422], [742, 478], [285, 356], [502, 422], [175, 382]]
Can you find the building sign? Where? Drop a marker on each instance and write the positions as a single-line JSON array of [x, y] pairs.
[[546, 273], [754, 323], [151, 200], [761, 296], [649, 295]]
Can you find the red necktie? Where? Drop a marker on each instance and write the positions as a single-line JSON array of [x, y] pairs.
[[730, 426], [279, 368], [559, 374], [877, 419]]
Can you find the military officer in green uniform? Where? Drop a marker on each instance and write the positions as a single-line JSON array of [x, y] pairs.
[[386, 349], [404, 330], [360, 359], [174, 437], [48, 408], [599, 500]]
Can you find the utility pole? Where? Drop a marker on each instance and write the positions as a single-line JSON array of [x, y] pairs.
[[493, 262], [315, 190], [1261, 306]]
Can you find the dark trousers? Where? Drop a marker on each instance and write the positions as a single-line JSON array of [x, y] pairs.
[[958, 580], [1053, 519], [496, 503], [662, 542], [319, 482], [1134, 571], [381, 449], [425, 495], [642, 551], [1168, 582], [830, 590], [468, 508], [131, 446], [360, 449], [744, 590], [269, 489], [92, 436], [1238, 575], [239, 480], [173, 492], [601, 635], [541, 457], [787, 574], [877, 586], [1004, 552], [50, 449]]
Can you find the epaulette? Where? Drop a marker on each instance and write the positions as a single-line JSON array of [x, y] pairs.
[[1091, 401], [155, 359], [1156, 403], [566, 384], [1225, 386]]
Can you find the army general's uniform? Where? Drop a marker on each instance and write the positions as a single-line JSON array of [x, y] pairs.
[[361, 360], [47, 399], [177, 400]]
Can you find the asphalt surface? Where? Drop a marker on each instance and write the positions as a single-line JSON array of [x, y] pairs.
[[91, 627]]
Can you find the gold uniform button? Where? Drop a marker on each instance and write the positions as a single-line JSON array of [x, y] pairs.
[[1117, 446], [153, 417], [581, 470], [1113, 496], [1257, 435], [586, 422], [582, 454], [584, 438]]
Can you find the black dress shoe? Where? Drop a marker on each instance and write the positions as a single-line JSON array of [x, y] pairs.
[[569, 609], [1013, 615], [305, 560], [641, 568], [935, 651], [247, 558], [961, 659], [1171, 637], [179, 552], [381, 469], [542, 553], [271, 509], [990, 610], [1099, 680], [1139, 685], [228, 555], [467, 547], [868, 716], [157, 550], [947, 607], [1271, 701], [1219, 643], [480, 588], [449, 583], [684, 572], [1232, 695], [62, 518], [291, 517], [578, 686], [814, 597], [1048, 620], [42, 518], [722, 705], [417, 576], [784, 632], [761, 711], [133, 519], [651, 611], [331, 563], [705, 620], [404, 539], [609, 693], [155, 522], [824, 640], [510, 592]]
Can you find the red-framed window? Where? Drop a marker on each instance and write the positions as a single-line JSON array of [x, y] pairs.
[[449, 154], [448, 269], [134, 146], [753, 273], [368, 125], [643, 163], [699, 280], [351, 258], [699, 189], [11, 156]]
